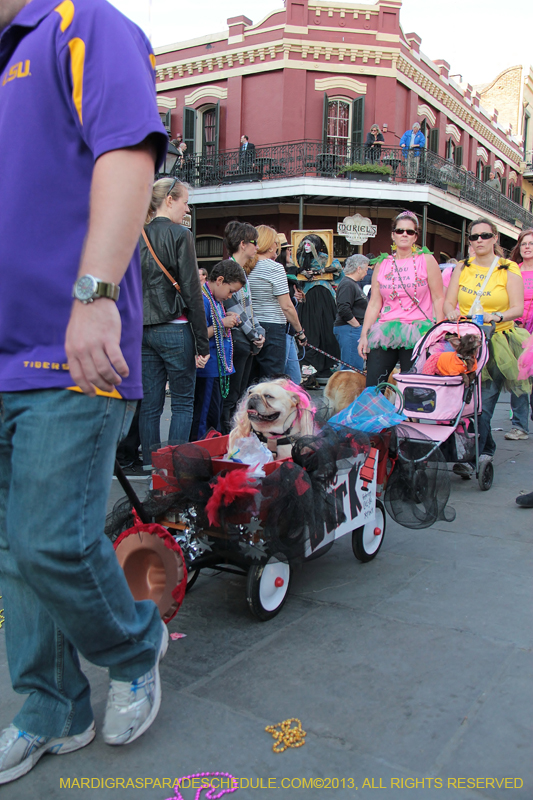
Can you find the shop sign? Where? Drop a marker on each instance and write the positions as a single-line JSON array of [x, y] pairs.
[[357, 229]]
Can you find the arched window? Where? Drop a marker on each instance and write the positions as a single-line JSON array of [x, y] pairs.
[[209, 251], [343, 125]]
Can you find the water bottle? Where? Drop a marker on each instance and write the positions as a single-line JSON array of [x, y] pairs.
[[477, 312]]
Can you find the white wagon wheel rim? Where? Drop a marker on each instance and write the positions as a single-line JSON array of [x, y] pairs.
[[373, 532], [273, 584]]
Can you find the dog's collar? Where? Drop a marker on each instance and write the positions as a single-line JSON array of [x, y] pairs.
[[285, 437]]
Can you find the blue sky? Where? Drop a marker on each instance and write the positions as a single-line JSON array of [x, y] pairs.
[[474, 37]]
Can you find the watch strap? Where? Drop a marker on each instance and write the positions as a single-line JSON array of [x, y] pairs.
[[110, 290]]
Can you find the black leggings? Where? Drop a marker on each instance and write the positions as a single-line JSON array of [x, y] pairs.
[[380, 363]]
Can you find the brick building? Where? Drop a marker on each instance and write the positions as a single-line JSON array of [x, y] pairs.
[[305, 84]]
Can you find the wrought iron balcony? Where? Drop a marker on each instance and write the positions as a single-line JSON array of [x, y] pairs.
[[311, 158]]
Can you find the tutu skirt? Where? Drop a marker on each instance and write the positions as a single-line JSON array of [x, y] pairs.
[[394, 335], [525, 361], [505, 349]]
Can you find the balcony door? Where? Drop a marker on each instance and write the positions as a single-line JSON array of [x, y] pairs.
[[343, 125]]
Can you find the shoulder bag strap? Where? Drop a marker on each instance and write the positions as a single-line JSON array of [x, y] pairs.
[[487, 279], [174, 283]]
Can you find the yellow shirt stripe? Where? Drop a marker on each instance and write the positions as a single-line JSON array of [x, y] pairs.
[[66, 12], [77, 59]]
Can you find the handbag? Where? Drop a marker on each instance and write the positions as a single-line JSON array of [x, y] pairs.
[[174, 283]]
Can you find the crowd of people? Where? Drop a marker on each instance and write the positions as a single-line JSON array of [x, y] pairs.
[[262, 303]]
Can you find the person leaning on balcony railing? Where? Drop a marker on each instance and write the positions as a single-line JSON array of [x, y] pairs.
[[412, 143], [406, 296], [374, 140], [494, 182], [502, 299]]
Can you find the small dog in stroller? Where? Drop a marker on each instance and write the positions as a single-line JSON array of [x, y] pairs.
[[454, 355]]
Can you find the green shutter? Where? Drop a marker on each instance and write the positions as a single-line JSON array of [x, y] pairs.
[[358, 123], [458, 156], [434, 140], [189, 129], [504, 185]]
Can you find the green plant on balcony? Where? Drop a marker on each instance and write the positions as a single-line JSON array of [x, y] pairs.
[[376, 169]]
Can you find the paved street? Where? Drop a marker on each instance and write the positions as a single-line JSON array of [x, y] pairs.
[[412, 670]]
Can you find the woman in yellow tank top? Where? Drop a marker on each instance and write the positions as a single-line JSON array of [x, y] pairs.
[[502, 299]]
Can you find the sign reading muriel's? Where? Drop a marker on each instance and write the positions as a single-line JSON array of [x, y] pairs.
[[357, 229]]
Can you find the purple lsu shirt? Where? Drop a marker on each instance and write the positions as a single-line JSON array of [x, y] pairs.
[[76, 80]]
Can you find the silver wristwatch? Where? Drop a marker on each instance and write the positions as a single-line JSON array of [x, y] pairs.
[[88, 288]]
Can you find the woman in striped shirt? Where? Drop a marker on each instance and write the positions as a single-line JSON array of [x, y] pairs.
[[272, 304]]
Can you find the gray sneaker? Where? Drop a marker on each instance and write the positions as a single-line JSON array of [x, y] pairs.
[[20, 751], [132, 706], [464, 469]]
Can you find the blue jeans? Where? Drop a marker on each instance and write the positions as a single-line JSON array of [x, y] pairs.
[[62, 586], [348, 339], [520, 409], [292, 365], [270, 360], [490, 393], [167, 354]]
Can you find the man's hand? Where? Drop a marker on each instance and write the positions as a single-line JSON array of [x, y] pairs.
[[201, 361], [92, 346]]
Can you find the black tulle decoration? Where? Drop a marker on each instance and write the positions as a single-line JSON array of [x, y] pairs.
[[418, 490]]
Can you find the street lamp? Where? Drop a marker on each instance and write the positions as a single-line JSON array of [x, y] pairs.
[[171, 158]]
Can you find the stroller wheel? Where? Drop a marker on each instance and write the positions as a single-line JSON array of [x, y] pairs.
[[486, 475]]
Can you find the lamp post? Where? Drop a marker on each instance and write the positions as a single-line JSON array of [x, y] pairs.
[[170, 160]]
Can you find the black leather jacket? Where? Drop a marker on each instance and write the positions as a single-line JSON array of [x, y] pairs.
[[174, 246]]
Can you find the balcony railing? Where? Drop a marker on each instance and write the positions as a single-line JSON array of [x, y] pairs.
[[311, 158]]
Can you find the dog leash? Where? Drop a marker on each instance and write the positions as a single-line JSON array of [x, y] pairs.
[[333, 358]]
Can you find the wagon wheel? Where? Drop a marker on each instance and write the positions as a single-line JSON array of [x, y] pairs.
[[192, 577], [267, 587], [486, 475], [367, 540]]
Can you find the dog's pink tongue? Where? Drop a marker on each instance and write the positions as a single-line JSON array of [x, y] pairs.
[[252, 412]]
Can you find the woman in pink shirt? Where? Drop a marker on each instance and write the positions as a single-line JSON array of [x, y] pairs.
[[406, 297], [523, 255]]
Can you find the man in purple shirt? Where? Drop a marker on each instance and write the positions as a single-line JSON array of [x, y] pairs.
[[80, 136]]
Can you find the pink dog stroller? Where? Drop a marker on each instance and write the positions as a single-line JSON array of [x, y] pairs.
[[442, 409]]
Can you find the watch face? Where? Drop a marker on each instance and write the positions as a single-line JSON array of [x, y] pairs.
[[85, 287]]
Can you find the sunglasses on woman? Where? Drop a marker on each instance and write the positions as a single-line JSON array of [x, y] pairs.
[[174, 182], [252, 241], [475, 236], [408, 231]]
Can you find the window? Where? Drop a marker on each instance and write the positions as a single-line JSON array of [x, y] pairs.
[[165, 119], [201, 129], [479, 170], [209, 132], [338, 127], [209, 251], [526, 133], [450, 150], [343, 126]]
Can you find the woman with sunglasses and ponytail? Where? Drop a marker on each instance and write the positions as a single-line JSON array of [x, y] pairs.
[[405, 300], [175, 340], [497, 284]]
